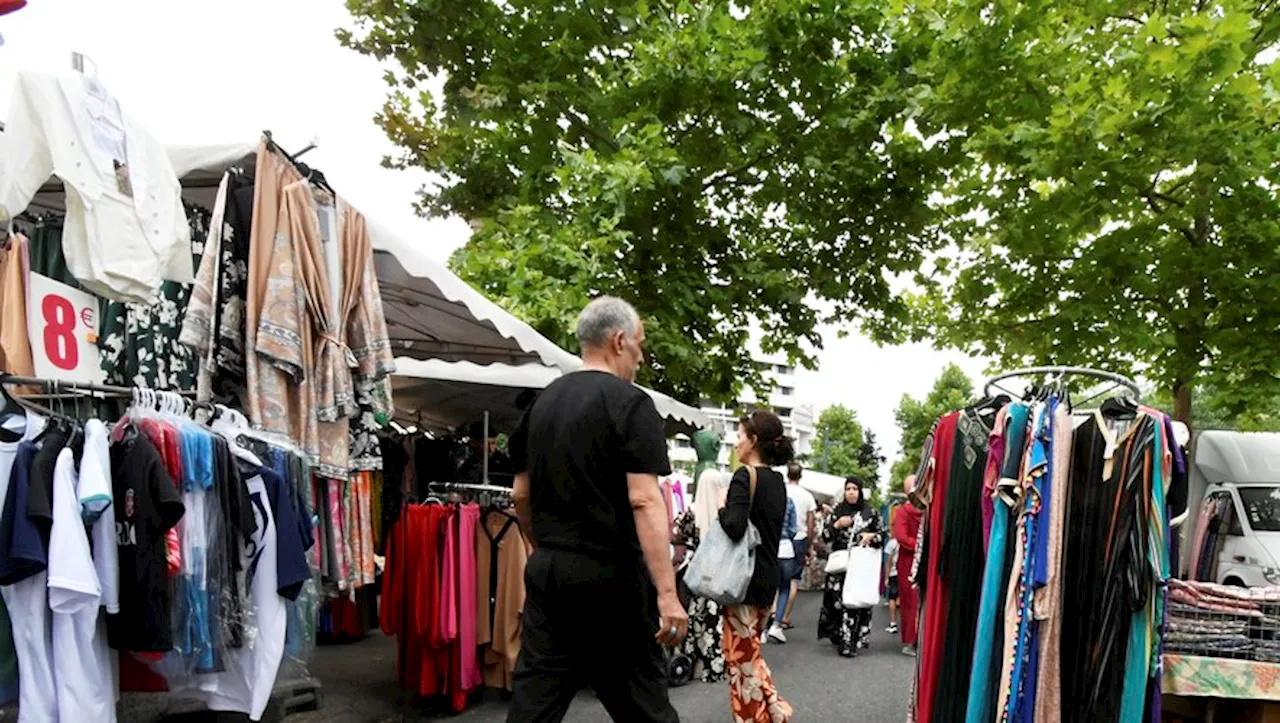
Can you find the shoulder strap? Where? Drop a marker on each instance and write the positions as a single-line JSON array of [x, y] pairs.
[[751, 474]]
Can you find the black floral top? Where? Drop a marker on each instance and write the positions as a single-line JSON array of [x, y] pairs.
[[866, 520]]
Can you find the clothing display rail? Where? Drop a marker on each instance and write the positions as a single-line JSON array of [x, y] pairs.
[[1060, 372]]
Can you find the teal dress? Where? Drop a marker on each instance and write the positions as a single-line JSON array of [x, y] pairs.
[[982, 680]]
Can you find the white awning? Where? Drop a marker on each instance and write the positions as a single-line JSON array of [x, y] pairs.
[[441, 393]]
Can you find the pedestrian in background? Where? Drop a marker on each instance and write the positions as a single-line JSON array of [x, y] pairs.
[[853, 522], [787, 567], [600, 590], [806, 514], [762, 444], [704, 643], [891, 585], [906, 527]]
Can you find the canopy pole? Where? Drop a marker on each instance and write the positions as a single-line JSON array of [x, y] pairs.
[[486, 446]]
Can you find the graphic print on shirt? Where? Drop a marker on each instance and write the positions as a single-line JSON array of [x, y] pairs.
[[253, 549], [127, 529]]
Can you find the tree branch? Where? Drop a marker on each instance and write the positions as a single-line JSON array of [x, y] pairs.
[[732, 174], [585, 127]]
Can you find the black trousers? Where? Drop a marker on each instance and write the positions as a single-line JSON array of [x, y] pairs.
[[589, 623]]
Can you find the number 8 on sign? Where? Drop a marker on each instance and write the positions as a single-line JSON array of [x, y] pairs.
[[62, 327], [59, 332]]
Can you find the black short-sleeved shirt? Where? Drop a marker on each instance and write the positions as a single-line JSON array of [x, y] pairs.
[[40, 497], [578, 442], [146, 505]]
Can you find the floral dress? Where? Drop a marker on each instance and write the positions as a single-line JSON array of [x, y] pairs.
[[703, 645], [848, 630], [139, 345]]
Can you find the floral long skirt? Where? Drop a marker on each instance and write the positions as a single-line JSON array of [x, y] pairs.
[[847, 629], [753, 697], [704, 644]]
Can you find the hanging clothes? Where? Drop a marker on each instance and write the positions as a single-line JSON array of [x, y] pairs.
[[501, 556], [934, 590], [961, 553]]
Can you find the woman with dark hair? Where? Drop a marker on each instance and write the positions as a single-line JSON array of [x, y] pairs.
[[762, 444], [853, 522]]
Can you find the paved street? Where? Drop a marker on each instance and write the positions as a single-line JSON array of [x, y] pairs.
[[872, 688]]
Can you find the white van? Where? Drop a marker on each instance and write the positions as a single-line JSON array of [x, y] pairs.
[[1241, 471]]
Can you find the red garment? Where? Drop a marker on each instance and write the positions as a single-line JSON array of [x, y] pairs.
[[165, 438], [906, 528], [936, 589], [411, 598], [8, 6]]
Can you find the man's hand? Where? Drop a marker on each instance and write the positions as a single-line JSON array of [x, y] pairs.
[[673, 621]]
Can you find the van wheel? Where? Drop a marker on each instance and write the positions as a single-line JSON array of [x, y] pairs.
[[1233, 582]]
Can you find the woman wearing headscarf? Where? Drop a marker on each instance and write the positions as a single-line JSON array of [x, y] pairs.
[[703, 643], [854, 521]]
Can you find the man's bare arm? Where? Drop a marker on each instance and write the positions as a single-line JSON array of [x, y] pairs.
[[655, 539], [524, 507]]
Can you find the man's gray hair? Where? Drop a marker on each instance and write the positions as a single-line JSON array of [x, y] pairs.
[[604, 316]]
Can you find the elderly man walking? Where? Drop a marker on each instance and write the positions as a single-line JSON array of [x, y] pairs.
[[600, 588]]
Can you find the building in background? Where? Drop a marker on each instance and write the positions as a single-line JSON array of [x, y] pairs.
[[798, 418]]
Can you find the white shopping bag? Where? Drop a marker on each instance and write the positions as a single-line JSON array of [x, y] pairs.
[[862, 580]]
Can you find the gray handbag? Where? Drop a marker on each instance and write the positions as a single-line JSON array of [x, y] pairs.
[[721, 569]]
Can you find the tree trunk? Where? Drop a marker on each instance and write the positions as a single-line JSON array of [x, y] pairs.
[[1182, 402]]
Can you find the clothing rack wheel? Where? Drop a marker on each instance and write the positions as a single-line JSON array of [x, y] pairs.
[[1062, 371]]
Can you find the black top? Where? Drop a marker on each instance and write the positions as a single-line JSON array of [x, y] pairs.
[[578, 442], [767, 513], [147, 505], [40, 494]]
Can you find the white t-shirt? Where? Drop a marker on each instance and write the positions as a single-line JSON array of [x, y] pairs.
[[805, 504], [93, 487], [85, 691], [250, 676]]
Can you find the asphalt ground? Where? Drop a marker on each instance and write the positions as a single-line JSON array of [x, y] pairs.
[[359, 683]]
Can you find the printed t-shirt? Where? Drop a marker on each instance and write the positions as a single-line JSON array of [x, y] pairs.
[[586, 432], [81, 668], [147, 506], [245, 686]]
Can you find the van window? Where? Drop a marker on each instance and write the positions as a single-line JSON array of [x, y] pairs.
[[1262, 506]]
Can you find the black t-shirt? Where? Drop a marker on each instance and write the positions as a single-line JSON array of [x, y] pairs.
[[40, 496], [578, 442], [147, 505]]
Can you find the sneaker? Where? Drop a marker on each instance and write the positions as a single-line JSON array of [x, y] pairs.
[[776, 635], [892, 630], [909, 650]]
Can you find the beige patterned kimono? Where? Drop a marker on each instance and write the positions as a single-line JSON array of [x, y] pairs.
[[320, 348]]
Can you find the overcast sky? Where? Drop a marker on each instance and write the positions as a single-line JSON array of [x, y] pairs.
[[211, 72]]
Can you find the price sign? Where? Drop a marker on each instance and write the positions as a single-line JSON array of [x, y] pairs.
[[62, 325]]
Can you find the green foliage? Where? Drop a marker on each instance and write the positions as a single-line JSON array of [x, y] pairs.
[[1119, 204], [1218, 408], [716, 164], [843, 447], [951, 391]]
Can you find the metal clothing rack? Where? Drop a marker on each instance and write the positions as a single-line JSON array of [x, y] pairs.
[[1059, 372], [58, 386]]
